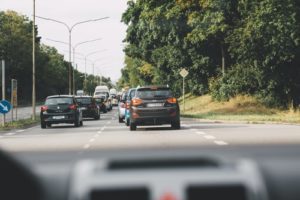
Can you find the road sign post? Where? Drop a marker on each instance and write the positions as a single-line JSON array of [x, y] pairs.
[[3, 88], [14, 98], [183, 73]]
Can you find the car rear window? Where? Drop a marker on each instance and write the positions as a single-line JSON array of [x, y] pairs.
[[59, 101], [131, 94], [152, 93], [84, 100], [99, 100]]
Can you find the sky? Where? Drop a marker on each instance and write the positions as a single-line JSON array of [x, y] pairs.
[[110, 56]]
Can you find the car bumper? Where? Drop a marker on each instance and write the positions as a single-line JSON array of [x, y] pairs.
[[58, 118], [89, 113], [154, 117]]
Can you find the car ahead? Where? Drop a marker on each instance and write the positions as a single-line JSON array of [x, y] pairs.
[[121, 107], [154, 105], [114, 100], [100, 102], [60, 109], [107, 99], [130, 95], [89, 107]]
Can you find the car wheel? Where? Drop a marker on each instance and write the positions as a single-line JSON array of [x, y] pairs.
[[77, 122], [120, 119], [97, 117], [175, 125], [81, 123], [105, 110], [49, 125], [127, 122], [132, 126], [43, 125]]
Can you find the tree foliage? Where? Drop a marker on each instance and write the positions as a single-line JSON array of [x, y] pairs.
[[257, 41]]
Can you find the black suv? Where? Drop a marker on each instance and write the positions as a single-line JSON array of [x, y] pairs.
[[89, 107], [154, 105], [60, 109]]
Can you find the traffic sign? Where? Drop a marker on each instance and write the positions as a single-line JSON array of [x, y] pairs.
[[183, 72], [5, 106]]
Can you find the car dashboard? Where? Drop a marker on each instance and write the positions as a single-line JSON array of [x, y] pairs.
[[173, 174]]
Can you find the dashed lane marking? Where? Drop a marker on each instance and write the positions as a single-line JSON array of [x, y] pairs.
[[99, 132], [86, 146], [209, 137], [20, 131], [9, 134], [92, 140], [221, 143], [200, 133]]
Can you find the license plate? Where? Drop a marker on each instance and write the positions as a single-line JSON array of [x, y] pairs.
[[58, 117], [84, 108], [151, 105]]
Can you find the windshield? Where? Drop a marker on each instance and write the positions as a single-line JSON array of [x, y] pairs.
[[149, 93], [84, 100], [164, 73], [59, 101]]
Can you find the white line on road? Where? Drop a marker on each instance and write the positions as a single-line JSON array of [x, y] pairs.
[[109, 122], [99, 132], [219, 142], [209, 137], [102, 129], [9, 134], [20, 131], [86, 146], [92, 140], [200, 133]]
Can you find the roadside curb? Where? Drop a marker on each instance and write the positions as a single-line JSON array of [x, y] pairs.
[[239, 122]]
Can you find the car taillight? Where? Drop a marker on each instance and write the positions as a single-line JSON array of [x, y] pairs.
[[44, 108], [172, 100], [136, 102], [73, 107]]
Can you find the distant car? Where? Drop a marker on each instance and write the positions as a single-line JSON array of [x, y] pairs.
[[79, 92], [88, 106], [100, 102], [121, 107], [130, 95], [60, 109], [154, 105], [107, 99], [114, 100]]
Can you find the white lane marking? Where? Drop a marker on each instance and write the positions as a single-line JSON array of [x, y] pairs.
[[109, 122], [96, 135], [219, 142], [92, 140], [209, 137], [9, 134], [86, 146], [99, 132], [200, 133], [193, 129], [20, 131], [102, 129]]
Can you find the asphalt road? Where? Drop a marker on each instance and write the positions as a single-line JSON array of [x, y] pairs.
[[108, 133]]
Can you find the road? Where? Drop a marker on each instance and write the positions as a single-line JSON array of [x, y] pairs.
[[108, 133]]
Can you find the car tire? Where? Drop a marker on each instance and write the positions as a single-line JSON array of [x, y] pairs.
[[132, 126], [176, 125], [77, 122], [127, 122], [81, 123], [49, 125], [105, 110], [120, 120], [43, 125], [97, 117]]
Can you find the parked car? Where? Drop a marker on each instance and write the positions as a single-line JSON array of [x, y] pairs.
[[88, 106], [130, 95], [154, 105], [100, 102], [60, 109], [122, 107]]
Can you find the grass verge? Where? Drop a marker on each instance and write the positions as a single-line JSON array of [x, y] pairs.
[[23, 123], [240, 108]]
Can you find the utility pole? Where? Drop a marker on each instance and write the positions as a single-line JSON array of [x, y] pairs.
[[3, 87], [33, 64]]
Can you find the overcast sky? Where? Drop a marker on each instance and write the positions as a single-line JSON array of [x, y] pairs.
[[111, 30]]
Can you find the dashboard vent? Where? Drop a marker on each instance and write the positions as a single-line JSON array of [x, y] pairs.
[[161, 164], [123, 193], [217, 192]]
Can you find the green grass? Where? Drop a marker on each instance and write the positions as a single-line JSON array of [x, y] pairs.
[[241, 108], [23, 123]]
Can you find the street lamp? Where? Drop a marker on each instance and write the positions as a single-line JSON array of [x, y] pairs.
[[70, 28], [74, 48], [33, 63]]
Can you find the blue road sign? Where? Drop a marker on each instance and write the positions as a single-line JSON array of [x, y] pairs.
[[5, 106]]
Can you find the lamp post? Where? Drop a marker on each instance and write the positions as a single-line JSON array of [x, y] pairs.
[[33, 64], [74, 48], [70, 29]]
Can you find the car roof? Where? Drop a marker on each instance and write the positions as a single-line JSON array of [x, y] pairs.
[[83, 96], [57, 96], [154, 86]]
